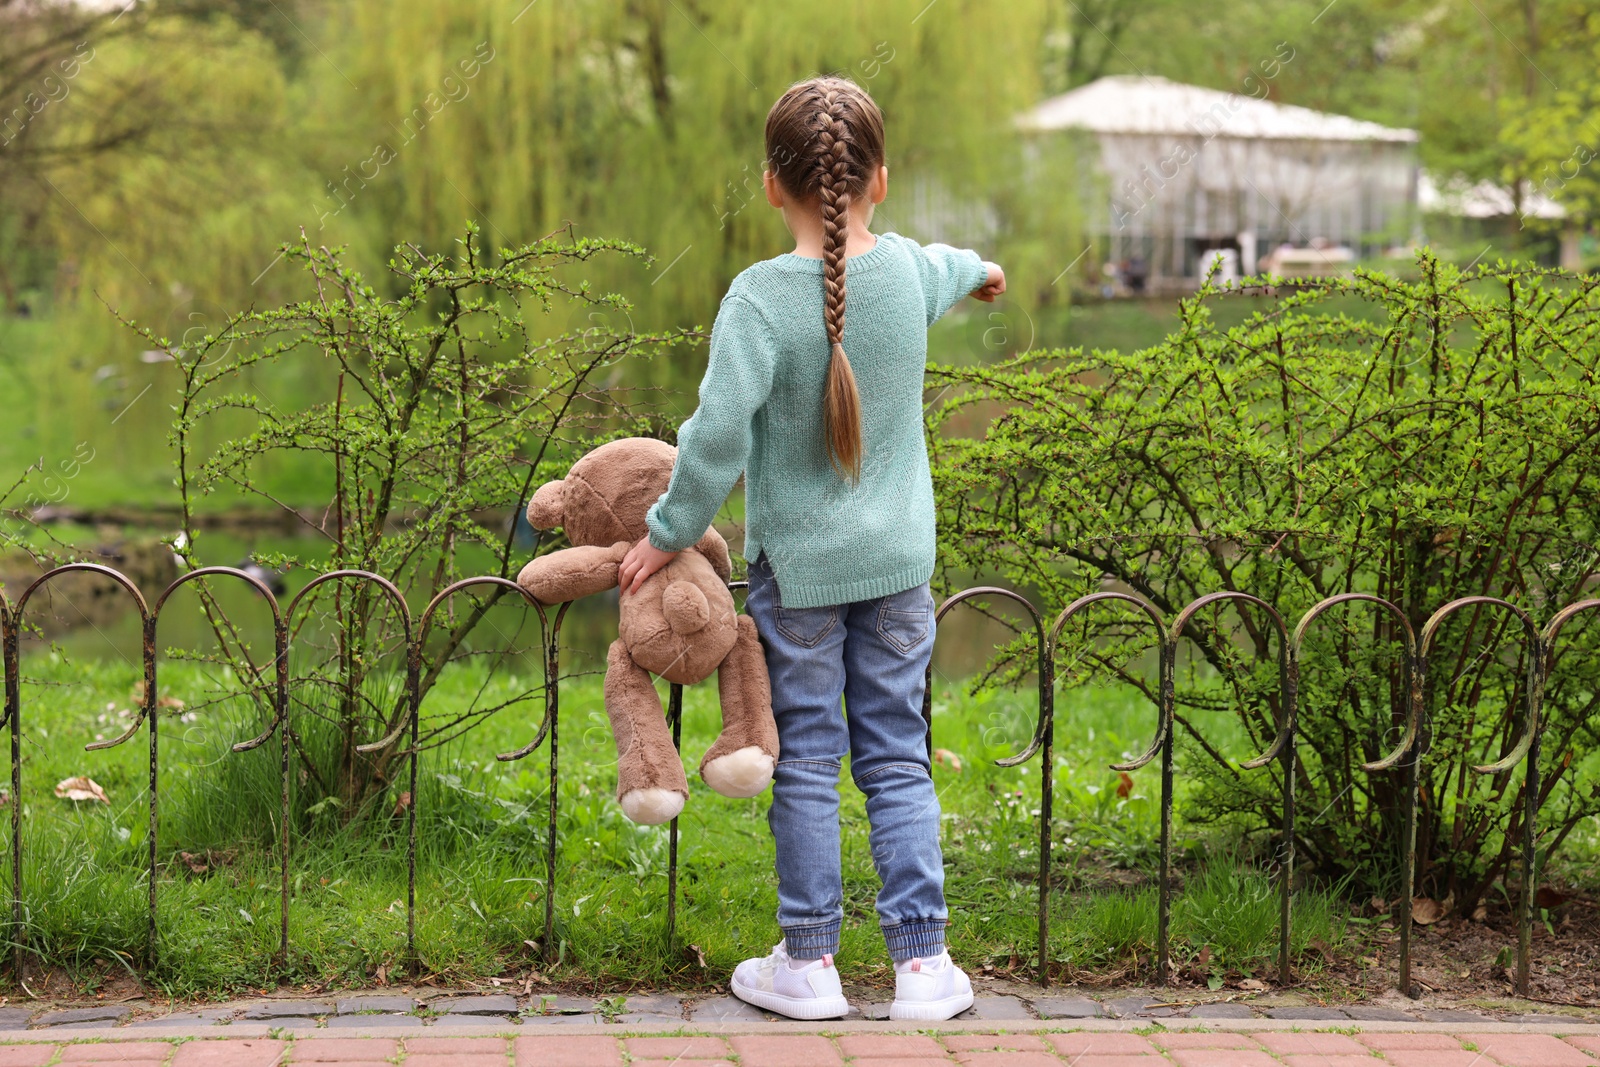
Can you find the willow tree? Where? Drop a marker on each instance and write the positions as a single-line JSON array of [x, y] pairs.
[[643, 118]]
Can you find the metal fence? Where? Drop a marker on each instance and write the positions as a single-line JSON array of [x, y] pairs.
[[1406, 755]]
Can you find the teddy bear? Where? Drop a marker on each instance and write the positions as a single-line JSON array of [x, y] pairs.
[[682, 625]]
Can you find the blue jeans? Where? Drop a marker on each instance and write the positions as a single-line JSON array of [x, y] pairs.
[[874, 654]]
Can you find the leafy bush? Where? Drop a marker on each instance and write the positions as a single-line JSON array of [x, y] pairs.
[[445, 411], [1418, 440]]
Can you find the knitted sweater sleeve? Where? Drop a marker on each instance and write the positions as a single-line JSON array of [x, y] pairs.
[[715, 442], [948, 274]]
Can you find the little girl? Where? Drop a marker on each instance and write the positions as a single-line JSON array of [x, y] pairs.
[[839, 530]]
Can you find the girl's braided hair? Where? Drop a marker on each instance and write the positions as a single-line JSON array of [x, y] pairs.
[[825, 140]]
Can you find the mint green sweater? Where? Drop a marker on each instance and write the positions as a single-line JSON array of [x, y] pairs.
[[760, 414]]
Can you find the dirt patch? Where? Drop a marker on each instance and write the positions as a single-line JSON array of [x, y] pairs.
[[1466, 960]]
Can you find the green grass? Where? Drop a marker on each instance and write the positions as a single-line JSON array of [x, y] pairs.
[[482, 854]]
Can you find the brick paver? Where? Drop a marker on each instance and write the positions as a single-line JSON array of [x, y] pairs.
[[1529, 1050], [889, 1046], [455, 1045], [343, 1049], [1440, 1058], [27, 1055], [1317, 1059], [117, 1052], [985, 1042], [1094, 1044], [1409, 1042], [678, 1048], [1313, 1043], [1089, 1059], [452, 1059], [1190, 1039], [1222, 1057], [249, 1052], [773, 1050], [1008, 1059], [551, 1050]]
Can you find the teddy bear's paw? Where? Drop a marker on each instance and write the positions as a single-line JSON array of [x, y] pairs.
[[744, 772], [652, 807]]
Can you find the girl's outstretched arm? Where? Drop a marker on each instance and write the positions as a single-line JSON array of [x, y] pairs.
[[948, 274]]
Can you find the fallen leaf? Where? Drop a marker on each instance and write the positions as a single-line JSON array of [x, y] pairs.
[[80, 789], [1124, 784], [1253, 985], [1480, 913], [1550, 898], [1425, 911], [212, 859], [1378, 905], [945, 758], [161, 702], [401, 805]]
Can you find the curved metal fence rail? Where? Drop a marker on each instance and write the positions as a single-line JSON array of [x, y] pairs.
[[1407, 754]]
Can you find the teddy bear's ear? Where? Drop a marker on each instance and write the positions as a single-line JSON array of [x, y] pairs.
[[548, 508]]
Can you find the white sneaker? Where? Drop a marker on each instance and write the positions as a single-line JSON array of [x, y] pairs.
[[809, 991], [930, 989]]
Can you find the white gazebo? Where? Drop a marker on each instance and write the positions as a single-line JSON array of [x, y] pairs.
[[1186, 172]]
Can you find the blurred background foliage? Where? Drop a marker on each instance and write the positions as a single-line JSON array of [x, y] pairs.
[[195, 137]]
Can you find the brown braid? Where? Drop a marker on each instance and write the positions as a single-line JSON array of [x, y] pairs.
[[825, 139], [841, 404]]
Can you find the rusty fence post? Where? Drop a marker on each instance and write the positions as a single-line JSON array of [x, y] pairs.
[[674, 720], [1282, 748], [1403, 751], [412, 721], [147, 712], [1526, 748], [1546, 665], [1047, 696], [280, 644], [398, 599], [550, 639], [10, 640], [1043, 735]]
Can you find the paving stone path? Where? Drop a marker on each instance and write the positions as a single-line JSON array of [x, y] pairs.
[[665, 1011], [1351, 1047]]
